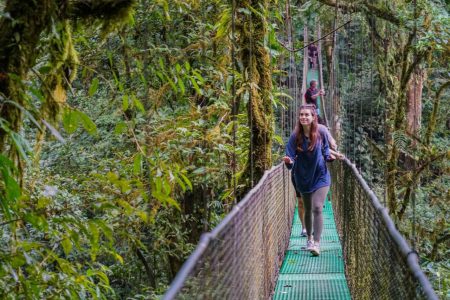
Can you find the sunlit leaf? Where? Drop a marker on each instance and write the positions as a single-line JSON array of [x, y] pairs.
[[87, 123], [120, 128], [125, 102], [67, 245], [94, 86]]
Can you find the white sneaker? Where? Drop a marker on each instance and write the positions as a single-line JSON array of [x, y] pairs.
[[303, 232], [315, 249], [309, 245]]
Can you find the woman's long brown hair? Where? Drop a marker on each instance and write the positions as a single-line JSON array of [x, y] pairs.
[[313, 132]]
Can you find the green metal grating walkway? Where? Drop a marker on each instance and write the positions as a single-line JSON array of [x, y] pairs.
[[303, 276]]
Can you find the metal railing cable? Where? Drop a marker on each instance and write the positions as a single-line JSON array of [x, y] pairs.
[[323, 102], [241, 257], [379, 262]]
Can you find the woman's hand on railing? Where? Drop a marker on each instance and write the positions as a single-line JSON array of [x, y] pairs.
[[287, 160], [336, 155]]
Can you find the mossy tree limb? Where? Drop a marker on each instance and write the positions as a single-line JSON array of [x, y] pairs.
[[22, 27]]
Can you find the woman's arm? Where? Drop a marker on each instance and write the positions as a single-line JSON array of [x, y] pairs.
[[291, 149], [325, 144]]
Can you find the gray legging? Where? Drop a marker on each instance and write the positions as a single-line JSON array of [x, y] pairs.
[[313, 203]]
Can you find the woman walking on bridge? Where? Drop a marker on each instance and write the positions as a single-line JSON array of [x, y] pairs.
[[306, 154]]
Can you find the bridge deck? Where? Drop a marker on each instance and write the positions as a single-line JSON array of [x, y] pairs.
[[303, 276]]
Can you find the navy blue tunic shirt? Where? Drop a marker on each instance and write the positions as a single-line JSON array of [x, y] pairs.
[[310, 168]]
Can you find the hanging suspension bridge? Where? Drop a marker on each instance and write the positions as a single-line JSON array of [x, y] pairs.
[[256, 252]]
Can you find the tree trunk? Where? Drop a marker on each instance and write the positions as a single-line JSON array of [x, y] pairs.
[[414, 108], [19, 37], [256, 65]]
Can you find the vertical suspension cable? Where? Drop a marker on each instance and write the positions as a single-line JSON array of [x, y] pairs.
[[361, 77], [320, 69], [296, 96], [413, 188], [353, 102], [335, 60], [348, 87], [233, 91], [291, 84], [388, 31], [414, 183], [284, 113], [371, 127], [250, 77]]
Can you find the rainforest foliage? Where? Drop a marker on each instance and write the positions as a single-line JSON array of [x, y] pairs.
[[130, 127]]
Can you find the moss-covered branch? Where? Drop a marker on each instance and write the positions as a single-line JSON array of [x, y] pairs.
[[434, 113], [99, 8], [22, 26], [370, 8]]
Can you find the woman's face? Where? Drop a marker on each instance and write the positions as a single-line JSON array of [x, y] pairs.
[[306, 117]]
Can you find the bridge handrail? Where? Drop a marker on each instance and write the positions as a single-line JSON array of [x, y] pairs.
[[366, 278], [271, 196]]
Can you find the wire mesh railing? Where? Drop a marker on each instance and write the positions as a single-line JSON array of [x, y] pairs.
[[241, 257], [379, 263]]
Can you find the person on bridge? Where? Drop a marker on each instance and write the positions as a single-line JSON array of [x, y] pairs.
[[306, 154], [312, 56], [311, 95], [333, 154]]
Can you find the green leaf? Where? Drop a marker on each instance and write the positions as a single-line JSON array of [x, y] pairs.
[[198, 76], [67, 245], [70, 121], [178, 67], [121, 127], [172, 84], [12, 189], [158, 183], [36, 220], [37, 93], [186, 180], [180, 183], [196, 87], [94, 86], [43, 202], [128, 209], [18, 261], [138, 104], [137, 164], [172, 202], [118, 257], [187, 66], [125, 102], [86, 122], [20, 144], [142, 215], [166, 186], [106, 229], [45, 69], [161, 63], [278, 139], [181, 85]]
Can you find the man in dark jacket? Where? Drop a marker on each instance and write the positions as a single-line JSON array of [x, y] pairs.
[[311, 95], [312, 54]]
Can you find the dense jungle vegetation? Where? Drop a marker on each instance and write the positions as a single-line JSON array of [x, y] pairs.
[[124, 125]]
